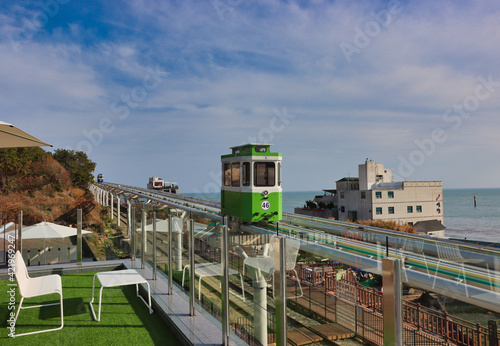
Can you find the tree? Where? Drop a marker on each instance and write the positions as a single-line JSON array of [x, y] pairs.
[[78, 165], [52, 172], [16, 165], [310, 205]]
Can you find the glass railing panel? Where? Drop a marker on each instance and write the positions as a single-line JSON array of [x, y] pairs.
[[9, 226], [148, 236], [251, 258], [179, 245], [135, 228], [139, 233], [208, 266], [337, 294], [162, 239], [181, 251]]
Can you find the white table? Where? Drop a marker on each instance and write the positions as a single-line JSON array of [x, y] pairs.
[[211, 269], [119, 278]]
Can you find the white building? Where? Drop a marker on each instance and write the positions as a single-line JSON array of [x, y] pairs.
[[375, 196]]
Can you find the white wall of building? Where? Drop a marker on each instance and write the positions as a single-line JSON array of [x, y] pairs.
[[372, 173], [353, 201], [416, 201], [378, 197]]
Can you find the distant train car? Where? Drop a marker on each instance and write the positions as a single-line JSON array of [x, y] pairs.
[[155, 183], [159, 184], [251, 183], [100, 178]]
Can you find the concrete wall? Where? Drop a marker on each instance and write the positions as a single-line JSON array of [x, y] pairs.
[[352, 201], [325, 213], [426, 194], [371, 173], [424, 197]]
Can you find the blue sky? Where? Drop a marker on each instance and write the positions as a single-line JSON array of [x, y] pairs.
[[164, 88]]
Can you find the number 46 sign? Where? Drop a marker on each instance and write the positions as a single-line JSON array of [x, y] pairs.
[[265, 205]]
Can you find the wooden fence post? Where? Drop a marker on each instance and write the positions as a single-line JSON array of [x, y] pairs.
[[446, 326], [418, 316]]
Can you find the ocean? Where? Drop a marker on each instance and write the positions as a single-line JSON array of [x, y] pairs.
[[461, 218]]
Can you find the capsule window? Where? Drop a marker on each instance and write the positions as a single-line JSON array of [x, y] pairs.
[[227, 174], [264, 173], [279, 174], [245, 174], [235, 174]]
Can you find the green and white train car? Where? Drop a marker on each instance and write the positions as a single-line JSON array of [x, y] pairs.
[[251, 183]]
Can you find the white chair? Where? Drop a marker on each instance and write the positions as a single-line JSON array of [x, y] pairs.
[[266, 263], [35, 287], [292, 251]]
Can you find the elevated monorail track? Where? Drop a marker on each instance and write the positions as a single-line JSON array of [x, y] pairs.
[[461, 271]]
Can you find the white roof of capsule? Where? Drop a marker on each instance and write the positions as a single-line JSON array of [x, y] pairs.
[[244, 145]]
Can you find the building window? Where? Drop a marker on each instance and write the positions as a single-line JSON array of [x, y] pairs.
[[390, 194], [391, 210], [378, 210], [419, 208], [342, 194], [342, 209], [363, 194], [409, 209], [410, 223], [378, 194]]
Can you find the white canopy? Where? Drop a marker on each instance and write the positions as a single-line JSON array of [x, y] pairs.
[[47, 230], [161, 226], [13, 137]]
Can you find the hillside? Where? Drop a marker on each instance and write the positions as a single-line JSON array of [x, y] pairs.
[[59, 207], [47, 186]]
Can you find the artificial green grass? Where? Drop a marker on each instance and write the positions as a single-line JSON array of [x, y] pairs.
[[125, 320]]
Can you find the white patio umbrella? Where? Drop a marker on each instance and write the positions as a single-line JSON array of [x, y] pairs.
[[161, 226], [13, 137], [47, 230]]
